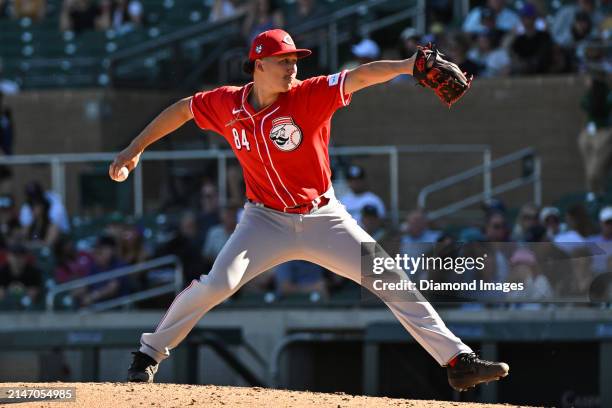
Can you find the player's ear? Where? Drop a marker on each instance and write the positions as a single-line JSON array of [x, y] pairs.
[[259, 65]]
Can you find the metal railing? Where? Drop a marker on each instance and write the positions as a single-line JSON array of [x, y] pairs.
[[58, 166], [175, 287], [486, 170]]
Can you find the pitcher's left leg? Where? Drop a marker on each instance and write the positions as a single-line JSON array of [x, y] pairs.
[[333, 239]]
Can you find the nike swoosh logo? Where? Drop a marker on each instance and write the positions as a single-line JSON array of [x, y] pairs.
[[235, 111]]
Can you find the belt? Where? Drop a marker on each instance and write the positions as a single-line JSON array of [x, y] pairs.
[[307, 208]]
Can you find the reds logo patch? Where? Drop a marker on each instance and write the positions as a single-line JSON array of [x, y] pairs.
[[285, 134], [288, 40]]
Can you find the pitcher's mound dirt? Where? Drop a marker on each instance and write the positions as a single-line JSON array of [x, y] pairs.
[[124, 395]]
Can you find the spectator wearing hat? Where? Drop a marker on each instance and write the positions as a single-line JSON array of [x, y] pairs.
[[20, 279], [364, 51], [603, 241], [550, 219], [505, 19], [532, 51], [222, 9], [374, 225], [407, 46], [57, 212], [409, 41], [360, 196]]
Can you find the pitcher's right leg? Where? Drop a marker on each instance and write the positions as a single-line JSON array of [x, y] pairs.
[[262, 239]]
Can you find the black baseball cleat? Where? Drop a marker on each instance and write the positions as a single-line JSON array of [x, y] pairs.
[[143, 368], [467, 370]]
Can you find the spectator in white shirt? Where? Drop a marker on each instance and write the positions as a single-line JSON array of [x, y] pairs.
[[505, 19], [359, 196], [57, 212]]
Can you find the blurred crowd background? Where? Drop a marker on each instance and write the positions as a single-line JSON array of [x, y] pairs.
[[42, 244]]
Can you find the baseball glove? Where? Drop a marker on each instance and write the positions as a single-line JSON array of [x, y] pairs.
[[444, 77]]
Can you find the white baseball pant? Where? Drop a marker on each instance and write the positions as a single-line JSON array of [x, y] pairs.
[[265, 238]]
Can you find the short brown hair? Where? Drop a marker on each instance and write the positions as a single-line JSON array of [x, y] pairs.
[[248, 67]]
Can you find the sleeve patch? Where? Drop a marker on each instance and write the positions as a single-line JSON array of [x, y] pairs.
[[332, 80]]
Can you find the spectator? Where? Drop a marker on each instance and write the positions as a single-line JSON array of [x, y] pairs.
[[550, 218], [209, 210], [372, 223], [19, 277], [57, 213], [32, 9], [78, 15], [498, 248], [496, 227], [407, 46], [186, 244], [532, 51], [7, 132], [70, 263], [9, 223], [262, 15], [302, 11], [574, 22], [7, 86], [219, 234], [417, 229], [488, 53], [553, 262], [527, 218], [105, 258], [579, 228], [505, 19], [524, 269], [297, 277], [222, 9], [595, 140], [127, 15], [366, 50], [131, 246], [418, 239], [104, 18], [359, 196], [603, 241], [579, 282], [409, 41], [42, 231], [459, 48]]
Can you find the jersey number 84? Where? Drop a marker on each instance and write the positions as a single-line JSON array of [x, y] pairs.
[[239, 141]]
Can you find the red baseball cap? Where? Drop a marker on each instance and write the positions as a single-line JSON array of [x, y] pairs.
[[274, 42]]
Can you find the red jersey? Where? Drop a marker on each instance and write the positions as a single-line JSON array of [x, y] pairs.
[[283, 148]]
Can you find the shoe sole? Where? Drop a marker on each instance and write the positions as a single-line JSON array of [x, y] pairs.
[[505, 374]]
